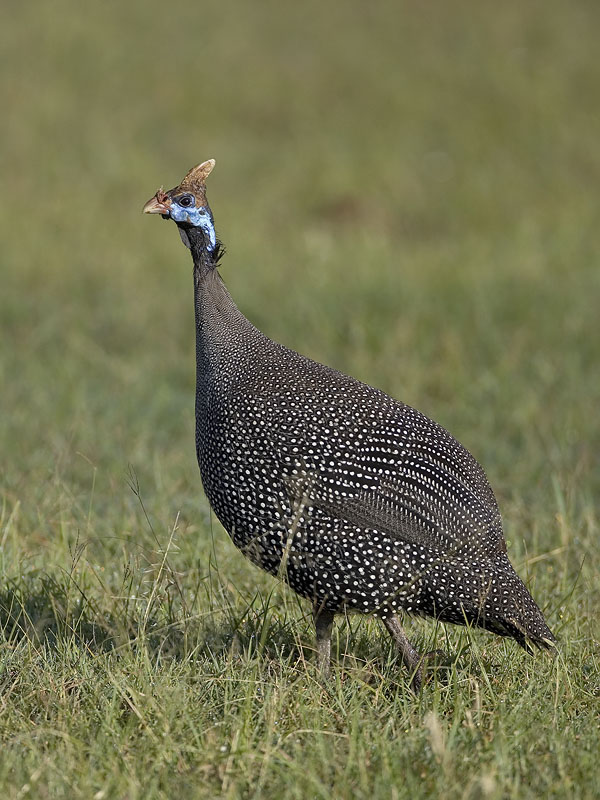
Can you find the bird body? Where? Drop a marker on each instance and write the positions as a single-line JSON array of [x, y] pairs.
[[358, 501]]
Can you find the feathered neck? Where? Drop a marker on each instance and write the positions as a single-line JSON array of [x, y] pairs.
[[206, 257], [223, 334], [215, 308]]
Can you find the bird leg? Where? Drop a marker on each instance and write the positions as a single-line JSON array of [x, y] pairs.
[[323, 623], [412, 660]]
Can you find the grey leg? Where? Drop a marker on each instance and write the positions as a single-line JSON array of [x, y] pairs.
[[411, 658], [323, 624]]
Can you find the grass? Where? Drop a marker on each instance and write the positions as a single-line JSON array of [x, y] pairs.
[[409, 193]]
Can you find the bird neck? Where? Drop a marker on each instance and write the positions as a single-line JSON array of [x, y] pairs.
[[204, 246], [225, 339]]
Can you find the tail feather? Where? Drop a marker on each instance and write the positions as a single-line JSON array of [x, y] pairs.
[[488, 594]]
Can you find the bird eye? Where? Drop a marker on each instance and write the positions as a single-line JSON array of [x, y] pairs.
[[186, 200]]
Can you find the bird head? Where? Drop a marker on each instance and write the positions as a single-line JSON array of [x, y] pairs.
[[186, 205]]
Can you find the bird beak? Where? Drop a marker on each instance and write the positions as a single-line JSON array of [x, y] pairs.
[[160, 203]]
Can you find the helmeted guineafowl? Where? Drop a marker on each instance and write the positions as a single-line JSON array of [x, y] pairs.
[[359, 502]]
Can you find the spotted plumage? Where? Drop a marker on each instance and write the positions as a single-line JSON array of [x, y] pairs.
[[359, 502]]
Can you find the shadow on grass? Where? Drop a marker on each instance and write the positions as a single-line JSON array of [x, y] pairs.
[[51, 613], [44, 612], [48, 612]]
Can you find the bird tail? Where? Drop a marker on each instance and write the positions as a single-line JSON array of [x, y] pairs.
[[489, 595]]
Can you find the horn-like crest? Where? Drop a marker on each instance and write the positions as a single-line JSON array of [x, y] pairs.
[[195, 181]]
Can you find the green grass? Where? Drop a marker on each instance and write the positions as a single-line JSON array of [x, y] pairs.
[[408, 192]]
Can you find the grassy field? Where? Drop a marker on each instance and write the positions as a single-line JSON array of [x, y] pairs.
[[407, 191]]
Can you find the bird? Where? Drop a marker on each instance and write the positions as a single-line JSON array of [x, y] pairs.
[[356, 500]]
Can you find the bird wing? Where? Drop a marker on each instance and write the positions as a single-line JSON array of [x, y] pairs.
[[394, 470], [421, 494]]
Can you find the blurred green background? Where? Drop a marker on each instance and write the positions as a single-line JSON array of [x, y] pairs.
[[407, 191]]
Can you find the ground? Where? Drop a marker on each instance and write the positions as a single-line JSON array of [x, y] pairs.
[[408, 192]]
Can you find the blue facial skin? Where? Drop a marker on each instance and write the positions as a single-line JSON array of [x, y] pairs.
[[198, 218]]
